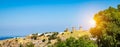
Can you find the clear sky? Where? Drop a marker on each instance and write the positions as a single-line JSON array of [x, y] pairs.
[[23, 17]]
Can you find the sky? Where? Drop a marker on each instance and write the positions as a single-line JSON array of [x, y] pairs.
[[23, 17]]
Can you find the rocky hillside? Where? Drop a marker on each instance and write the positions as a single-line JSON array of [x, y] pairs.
[[43, 39]]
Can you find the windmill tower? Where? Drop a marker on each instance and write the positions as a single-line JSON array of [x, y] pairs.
[[80, 28], [66, 30], [73, 29]]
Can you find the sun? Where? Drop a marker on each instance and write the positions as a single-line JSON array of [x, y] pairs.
[[92, 23]]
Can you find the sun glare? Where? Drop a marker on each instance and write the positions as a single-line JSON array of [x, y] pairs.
[[92, 23]]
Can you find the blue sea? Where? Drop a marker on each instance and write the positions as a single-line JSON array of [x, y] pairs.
[[5, 37], [8, 37]]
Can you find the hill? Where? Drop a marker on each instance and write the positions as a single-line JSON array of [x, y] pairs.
[[43, 39]]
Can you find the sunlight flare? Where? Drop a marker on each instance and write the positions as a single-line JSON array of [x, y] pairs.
[[92, 23]]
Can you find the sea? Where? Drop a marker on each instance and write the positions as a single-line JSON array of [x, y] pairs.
[[8, 37]]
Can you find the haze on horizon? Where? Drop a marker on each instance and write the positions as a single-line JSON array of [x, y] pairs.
[[23, 17]]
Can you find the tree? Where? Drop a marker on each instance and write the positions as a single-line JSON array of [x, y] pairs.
[[118, 8], [107, 28]]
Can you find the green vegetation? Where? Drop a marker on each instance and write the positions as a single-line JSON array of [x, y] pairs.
[[53, 36], [21, 45], [34, 36], [43, 40], [72, 42], [30, 44], [107, 28]]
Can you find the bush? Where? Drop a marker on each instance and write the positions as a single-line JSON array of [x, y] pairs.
[[21, 45], [30, 44], [43, 40], [72, 42]]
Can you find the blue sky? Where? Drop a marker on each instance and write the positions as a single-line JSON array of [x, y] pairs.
[[23, 17]]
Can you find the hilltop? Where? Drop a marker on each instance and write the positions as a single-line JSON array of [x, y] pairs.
[[44, 39]]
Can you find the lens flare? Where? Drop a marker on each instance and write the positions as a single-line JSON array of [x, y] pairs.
[[92, 23]]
